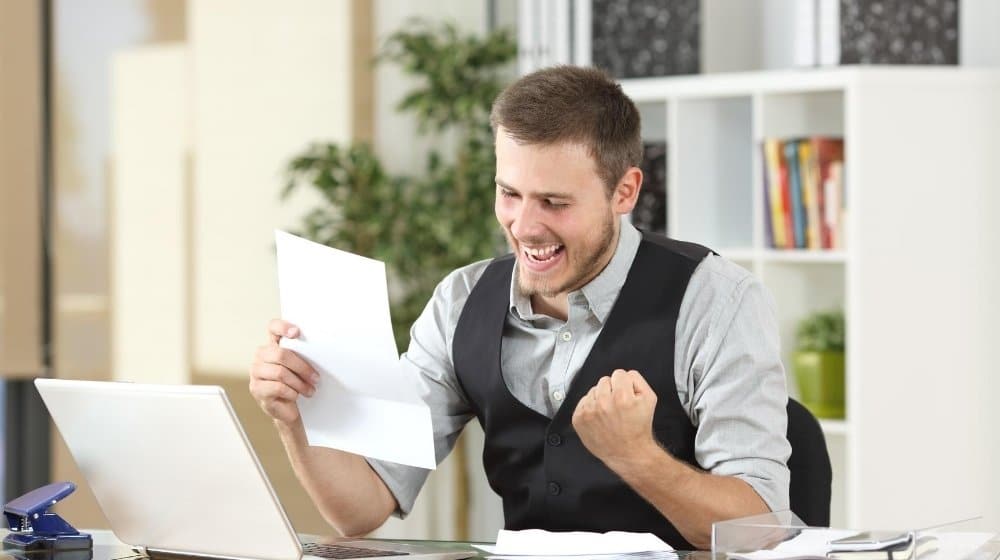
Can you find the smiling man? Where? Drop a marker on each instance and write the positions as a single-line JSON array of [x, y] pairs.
[[625, 381]]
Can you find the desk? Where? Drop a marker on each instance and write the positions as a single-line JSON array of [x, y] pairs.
[[108, 547]]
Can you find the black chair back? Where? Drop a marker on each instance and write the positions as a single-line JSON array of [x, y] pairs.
[[809, 466]]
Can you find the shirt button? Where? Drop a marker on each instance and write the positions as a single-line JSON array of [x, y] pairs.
[[554, 488], [558, 395], [555, 440], [567, 336]]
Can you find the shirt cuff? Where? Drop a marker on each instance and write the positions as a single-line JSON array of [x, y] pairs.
[[403, 481], [769, 481]]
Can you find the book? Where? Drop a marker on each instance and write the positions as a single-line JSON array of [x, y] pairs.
[[833, 215], [796, 209], [828, 151], [809, 173], [775, 208]]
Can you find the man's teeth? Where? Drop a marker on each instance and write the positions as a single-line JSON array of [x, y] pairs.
[[542, 252]]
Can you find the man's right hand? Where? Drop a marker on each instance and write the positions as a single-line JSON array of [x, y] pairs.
[[278, 375]]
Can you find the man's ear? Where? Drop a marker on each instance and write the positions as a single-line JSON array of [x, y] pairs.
[[627, 191]]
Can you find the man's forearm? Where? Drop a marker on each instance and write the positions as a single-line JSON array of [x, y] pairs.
[[345, 489], [691, 499]]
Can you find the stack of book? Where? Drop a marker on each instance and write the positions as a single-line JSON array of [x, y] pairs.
[[804, 193]]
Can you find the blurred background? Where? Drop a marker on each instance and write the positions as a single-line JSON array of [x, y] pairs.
[[145, 146]]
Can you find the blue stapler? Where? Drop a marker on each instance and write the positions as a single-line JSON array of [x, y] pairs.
[[33, 528]]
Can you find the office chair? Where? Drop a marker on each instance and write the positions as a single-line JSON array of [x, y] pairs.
[[809, 466]]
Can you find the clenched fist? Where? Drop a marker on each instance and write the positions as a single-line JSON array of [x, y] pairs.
[[615, 418], [278, 375]]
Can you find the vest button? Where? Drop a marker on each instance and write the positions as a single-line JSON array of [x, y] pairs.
[[554, 488], [555, 440]]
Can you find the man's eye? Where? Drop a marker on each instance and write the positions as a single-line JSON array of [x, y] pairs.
[[507, 194], [555, 204]]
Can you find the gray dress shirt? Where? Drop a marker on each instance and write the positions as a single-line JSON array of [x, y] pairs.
[[727, 366]]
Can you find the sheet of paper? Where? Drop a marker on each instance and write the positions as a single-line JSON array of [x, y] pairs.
[[536, 543], [364, 403], [809, 543]]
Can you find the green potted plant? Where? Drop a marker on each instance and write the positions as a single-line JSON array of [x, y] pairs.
[[818, 362]]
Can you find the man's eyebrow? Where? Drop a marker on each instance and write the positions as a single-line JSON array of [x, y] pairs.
[[551, 194]]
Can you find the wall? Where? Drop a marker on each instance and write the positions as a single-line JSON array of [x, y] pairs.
[[267, 78], [20, 188], [149, 209]]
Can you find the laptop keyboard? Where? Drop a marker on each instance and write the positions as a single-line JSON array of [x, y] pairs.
[[341, 551]]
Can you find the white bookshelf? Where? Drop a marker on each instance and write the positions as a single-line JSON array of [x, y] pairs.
[[922, 147]]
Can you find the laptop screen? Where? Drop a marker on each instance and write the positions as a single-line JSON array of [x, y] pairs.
[[171, 468]]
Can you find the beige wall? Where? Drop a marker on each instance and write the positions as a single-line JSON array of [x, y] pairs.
[[149, 208], [267, 78], [20, 189]]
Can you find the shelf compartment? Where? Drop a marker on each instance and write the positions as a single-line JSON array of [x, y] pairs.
[[717, 199], [802, 114]]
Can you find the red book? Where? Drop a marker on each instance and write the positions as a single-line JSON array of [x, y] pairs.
[[828, 151]]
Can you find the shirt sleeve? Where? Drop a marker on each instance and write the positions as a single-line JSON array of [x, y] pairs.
[[731, 380], [429, 359]]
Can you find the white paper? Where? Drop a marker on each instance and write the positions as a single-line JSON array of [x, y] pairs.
[[364, 402], [808, 543], [536, 543]]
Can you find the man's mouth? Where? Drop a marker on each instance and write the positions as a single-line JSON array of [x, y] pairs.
[[543, 254]]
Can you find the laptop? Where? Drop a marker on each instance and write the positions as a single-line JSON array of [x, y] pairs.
[[174, 473]]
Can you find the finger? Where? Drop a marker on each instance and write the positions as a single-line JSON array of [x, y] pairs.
[[277, 373], [267, 390], [621, 384], [603, 388], [278, 328], [291, 360]]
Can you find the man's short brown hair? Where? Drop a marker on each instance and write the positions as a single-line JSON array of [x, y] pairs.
[[578, 105]]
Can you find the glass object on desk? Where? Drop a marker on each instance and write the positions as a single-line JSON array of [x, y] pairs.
[[754, 533], [783, 536]]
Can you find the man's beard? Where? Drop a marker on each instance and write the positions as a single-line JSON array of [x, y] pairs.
[[582, 264]]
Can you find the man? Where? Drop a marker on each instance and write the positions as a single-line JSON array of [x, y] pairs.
[[624, 380]]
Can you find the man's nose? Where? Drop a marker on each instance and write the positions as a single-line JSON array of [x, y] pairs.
[[527, 222]]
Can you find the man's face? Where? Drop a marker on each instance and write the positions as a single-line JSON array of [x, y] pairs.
[[556, 213]]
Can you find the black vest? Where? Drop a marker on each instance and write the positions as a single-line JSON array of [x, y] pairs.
[[545, 476]]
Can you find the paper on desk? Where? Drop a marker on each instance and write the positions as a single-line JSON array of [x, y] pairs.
[[809, 543], [364, 403], [536, 542]]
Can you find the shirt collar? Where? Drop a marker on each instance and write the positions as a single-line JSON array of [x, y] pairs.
[[600, 294]]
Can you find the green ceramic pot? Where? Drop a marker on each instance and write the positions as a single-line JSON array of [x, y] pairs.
[[820, 376]]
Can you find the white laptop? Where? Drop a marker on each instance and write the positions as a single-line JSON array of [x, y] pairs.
[[174, 473]]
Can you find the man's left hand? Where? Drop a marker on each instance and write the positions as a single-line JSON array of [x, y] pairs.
[[615, 419]]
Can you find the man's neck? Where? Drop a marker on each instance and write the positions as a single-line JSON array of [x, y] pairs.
[[556, 306]]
